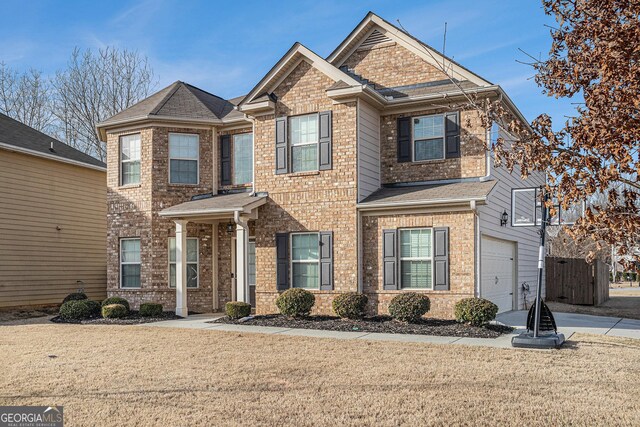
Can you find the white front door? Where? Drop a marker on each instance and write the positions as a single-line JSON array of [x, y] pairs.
[[498, 261]]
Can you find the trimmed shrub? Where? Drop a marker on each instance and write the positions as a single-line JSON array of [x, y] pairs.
[[475, 311], [295, 302], [150, 309], [114, 311], [94, 307], [116, 300], [75, 296], [350, 305], [237, 309], [409, 307], [76, 310]]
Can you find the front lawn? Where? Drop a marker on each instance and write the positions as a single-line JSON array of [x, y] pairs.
[[141, 375]]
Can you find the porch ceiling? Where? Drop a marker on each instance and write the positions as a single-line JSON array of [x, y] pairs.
[[215, 207]]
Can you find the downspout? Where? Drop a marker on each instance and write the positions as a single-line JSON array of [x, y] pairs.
[[245, 245], [487, 156], [477, 242]]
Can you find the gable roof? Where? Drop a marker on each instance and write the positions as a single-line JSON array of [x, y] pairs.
[[178, 101], [17, 136], [374, 29]]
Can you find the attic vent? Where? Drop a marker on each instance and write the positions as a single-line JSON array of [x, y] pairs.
[[376, 37]]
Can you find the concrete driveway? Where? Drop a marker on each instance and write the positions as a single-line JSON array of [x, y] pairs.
[[570, 323]]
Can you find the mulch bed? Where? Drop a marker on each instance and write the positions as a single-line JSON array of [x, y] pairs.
[[383, 324], [133, 318]]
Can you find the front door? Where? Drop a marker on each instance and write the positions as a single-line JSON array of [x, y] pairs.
[[251, 271]]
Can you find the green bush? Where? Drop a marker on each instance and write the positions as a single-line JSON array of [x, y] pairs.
[[94, 307], [77, 310], [237, 309], [114, 311], [350, 305], [409, 307], [475, 311], [116, 300], [75, 296], [150, 309], [295, 302]]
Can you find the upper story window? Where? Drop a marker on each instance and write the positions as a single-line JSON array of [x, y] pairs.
[[183, 158], [303, 134], [242, 158], [428, 137], [130, 159], [416, 258]]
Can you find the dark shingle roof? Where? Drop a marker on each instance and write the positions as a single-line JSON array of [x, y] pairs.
[[21, 136], [426, 88], [216, 204], [412, 194]]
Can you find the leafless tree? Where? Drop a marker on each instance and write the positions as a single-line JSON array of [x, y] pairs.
[[94, 87]]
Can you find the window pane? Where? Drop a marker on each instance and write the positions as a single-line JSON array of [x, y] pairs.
[[130, 250], [184, 171], [305, 275], [304, 247], [415, 274], [172, 275], [130, 172], [130, 147], [303, 129], [415, 243], [429, 149], [192, 250], [251, 261], [243, 158], [428, 127], [305, 158], [183, 146], [131, 275], [172, 249], [192, 275]]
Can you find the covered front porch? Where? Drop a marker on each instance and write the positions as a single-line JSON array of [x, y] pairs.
[[234, 211]]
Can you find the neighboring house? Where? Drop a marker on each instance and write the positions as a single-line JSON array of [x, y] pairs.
[[354, 173], [52, 219]]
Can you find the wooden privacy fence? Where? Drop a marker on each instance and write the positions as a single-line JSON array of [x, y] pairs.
[[574, 281]]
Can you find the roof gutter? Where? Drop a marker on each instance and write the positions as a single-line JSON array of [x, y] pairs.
[[10, 147], [472, 201]]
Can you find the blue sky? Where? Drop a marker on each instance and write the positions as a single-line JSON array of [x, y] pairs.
[[226, 47]]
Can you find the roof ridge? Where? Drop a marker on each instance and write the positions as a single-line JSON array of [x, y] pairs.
[[166, 98], [189, 87]]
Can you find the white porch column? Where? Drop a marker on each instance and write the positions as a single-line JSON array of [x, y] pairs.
[[242, 244], [181, 268]]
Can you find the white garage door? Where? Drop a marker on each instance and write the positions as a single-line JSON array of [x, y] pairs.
[[497, 265]]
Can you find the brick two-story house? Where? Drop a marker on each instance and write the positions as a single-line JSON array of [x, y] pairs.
[[355, 172]]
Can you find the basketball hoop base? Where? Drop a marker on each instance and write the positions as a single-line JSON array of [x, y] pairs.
[[542, 341]]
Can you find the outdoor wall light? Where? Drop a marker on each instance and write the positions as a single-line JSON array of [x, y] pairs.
[[504, 218], [230, 227]]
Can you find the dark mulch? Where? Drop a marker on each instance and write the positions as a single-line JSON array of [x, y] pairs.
[[383, 324], [133, 318]]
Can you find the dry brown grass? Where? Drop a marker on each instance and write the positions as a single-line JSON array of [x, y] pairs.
[[131, 375]]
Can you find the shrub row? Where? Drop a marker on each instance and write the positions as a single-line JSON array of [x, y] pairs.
[[77, 306]]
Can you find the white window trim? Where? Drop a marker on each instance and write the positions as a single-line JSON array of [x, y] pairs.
[[291, 261], [197, 263], [130, 263], [139, 160], [197, 159], [413, 139], [401, 258], [316, 142], [233, 155]]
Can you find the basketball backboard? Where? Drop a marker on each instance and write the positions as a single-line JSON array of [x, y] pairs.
[[526, 209]]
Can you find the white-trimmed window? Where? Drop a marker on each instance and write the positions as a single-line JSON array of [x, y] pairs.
[[303, 138], [130, 159], [192, 262], [416, 258], [305, 260], [428, 137], [183, 158], [242, 158], [130, 263]]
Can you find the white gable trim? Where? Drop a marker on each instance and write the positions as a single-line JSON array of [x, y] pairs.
[[339, 56]]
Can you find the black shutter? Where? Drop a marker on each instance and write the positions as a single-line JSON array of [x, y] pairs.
[[282, 261], [324, 140], [225, 160], [452, 134], [326, 260], [282, 149], [441, 258], [390, 259], [404, 139]]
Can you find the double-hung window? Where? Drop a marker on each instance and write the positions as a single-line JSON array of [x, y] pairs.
[[130, 263], [192, 262], [130, 159], [305, 260], [303, 137], [428, 137], [183, 158], [416, 258], [243, 158]]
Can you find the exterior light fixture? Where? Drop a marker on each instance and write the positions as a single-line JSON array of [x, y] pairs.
[[230, 227], [504, 218]]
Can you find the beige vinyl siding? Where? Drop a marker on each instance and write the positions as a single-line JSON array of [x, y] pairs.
[[368, 150], [40, 264]]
